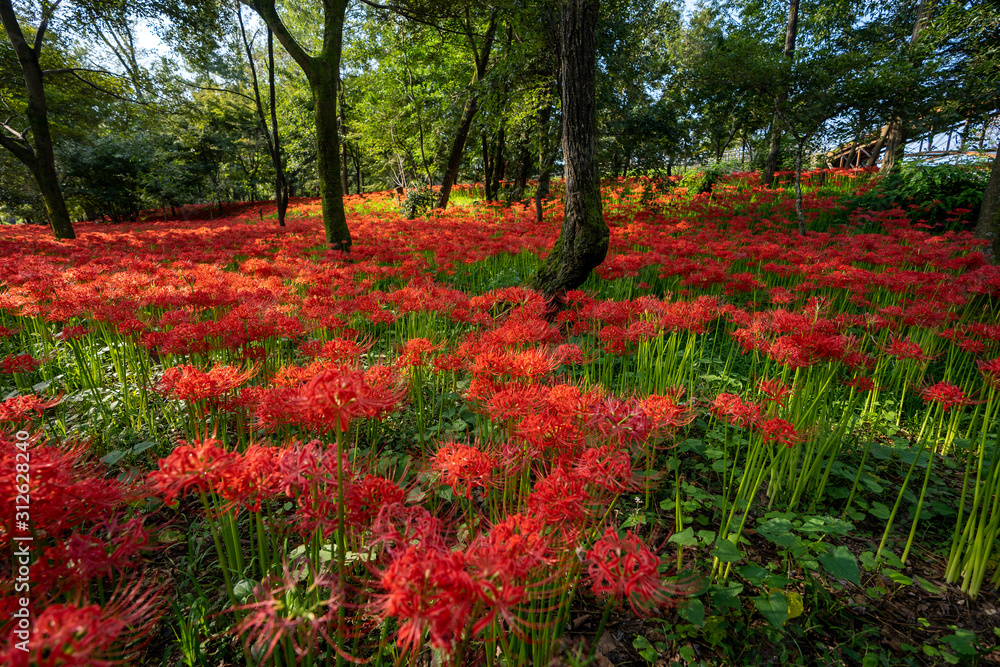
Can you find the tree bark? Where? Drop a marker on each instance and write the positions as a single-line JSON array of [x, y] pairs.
[[343, 142], [323, 72], [583, 242], [774, 150], [468, 113], [280, 184], [38, 155], [988, 225]]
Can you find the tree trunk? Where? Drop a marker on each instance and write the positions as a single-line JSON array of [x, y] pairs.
[[988, 226], [471, 107], [487, 169], [280, 184], [800, 145], [774, 151], [38, 157], [323, 72], [343, 142], [583, 243], [498, 161]]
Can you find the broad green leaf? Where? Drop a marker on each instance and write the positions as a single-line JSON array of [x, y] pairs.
[[726, 551], [841, 563], [693, 612], [774, 607], [685, 538]]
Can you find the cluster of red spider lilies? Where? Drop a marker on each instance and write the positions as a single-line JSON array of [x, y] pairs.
[[328, 457]]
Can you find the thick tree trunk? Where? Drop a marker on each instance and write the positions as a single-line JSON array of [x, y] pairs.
[[38, 156], [583, 243], [774, 150], [468, 114], [988, 226], [323, 73]]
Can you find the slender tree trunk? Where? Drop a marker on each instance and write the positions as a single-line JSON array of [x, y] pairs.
[[774, 150], [468, 114], [988, 226], [800, 144], [583, 242], [343, 142], [546, 158], [498, 161], [323, 73], [38, 155], [487, 169], [280, 184]]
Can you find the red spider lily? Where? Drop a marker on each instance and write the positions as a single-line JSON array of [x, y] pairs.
[[560, 499], [463, 467], [366, 497], [990, 370], [75, 332], [946, 395], [190, 383], [65, 491], [415, 351], [732, 408], [521, 541], [21, 363], [19, 408], [775, 390], [285, 608], [860, 383], [201, 467], [779, 430], [606, 467], [251, 477], [335, 396], [904, 348], [74, 634], [429, 590], [667, 413], [626, 568]]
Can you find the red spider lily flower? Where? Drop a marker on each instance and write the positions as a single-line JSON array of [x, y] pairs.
[[335, 396], [990, 370], [521, 541], [560, 499], [667, 413], [946, 395], [860, 383], [201, 467], [735, 411], [623, 421], [73, 635], [415, 352], [252, 477], [775, 390], [19, 408], [906, 349], [429, 590], [463, 467], [627, 568], [398, 525], [21, 363], [190, 383], [606, 467], [75, 332], [284, 609], [779, 430], [366, 497]]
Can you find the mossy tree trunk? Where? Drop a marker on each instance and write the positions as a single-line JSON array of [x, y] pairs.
[[583, 243], [37, 155], [323, 73], [774, 149]]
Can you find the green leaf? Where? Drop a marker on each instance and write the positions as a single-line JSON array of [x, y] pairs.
[[778, 531], [898, 577], [645, 649], [841, 563], [243, 589], [693, 612], [962, 642], [774, 607], [754, 574], [685, 538], [143, 446], [726, 551], [727, 598], [928, 586], [113, 457], [879, 511]]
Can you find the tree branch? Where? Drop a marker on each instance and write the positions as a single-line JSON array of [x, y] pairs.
[[220, 90], [265, 9]]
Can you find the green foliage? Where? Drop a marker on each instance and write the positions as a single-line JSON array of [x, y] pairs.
[[105, 175], [928, 191]]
